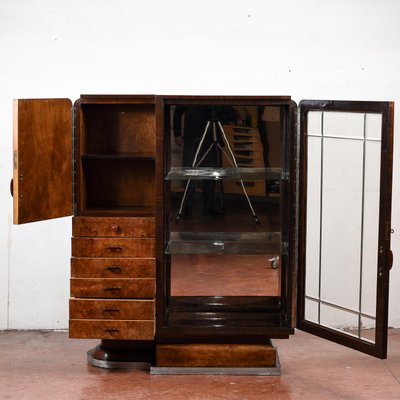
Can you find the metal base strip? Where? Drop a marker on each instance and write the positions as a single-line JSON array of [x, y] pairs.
[[145, 366], [214, 371]]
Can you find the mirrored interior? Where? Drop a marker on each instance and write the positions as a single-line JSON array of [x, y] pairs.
[[224, 201], [343, 195]]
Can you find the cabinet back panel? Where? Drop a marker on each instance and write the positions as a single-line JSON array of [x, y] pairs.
[[119, 183], [118, 128]]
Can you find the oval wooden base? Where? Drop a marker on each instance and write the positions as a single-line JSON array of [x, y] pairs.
[[122, 354]]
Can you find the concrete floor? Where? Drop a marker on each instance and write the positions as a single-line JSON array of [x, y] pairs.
[[48, 365]]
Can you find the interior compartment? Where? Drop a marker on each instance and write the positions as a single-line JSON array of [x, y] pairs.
[[116, 164], [118, 128], [124, 185]]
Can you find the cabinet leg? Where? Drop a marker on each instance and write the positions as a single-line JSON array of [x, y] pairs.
[[122, 354]]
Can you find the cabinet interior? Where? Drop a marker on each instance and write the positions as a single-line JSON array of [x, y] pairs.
[[221, 264], [116, 159]]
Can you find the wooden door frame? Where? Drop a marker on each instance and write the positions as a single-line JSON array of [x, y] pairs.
[[379, 348]]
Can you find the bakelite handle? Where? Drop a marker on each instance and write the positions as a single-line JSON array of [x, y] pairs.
[[114, 227], [114, 268], [111, 330], [12, 187], [114, 249], [110, 309], [390, 259], [113, 288]]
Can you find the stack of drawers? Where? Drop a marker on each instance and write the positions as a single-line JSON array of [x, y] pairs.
[[248, 150], [113, 278]]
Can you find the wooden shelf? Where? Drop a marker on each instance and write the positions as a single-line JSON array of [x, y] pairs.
[[119, 156], [119, 211]]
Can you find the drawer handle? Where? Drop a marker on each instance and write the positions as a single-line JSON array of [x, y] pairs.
[[110, 309], [114, 268], [113, 288], [111, 330], [114, 227], [114, 249]]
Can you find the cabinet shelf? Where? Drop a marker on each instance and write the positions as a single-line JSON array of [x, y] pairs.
[[225, 243], [211, 173], [134, 211], [118, 156]]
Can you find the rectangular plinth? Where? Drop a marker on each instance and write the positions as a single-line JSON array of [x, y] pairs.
[[216, 355]]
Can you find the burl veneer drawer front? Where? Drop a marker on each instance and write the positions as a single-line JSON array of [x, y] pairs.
[[108, 329], [141, 288], [113, 267], [109, 247], [111, 309], [114, 226]]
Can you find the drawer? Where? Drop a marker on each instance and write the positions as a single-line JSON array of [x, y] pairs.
[[111, 309], [142, 288], [113, 267], [108, 329], [110, 247], [114, 226]]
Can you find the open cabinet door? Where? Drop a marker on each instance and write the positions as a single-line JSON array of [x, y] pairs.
[[345, 193], [42, 178]]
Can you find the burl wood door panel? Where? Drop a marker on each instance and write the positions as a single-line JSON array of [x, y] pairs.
[[42, 178], [110, 247]]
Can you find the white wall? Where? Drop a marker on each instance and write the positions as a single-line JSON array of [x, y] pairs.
[[341, 49]]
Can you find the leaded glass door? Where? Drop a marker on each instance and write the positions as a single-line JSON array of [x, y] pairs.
[[344, 222]]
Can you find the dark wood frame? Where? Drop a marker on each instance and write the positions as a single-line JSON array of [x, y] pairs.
[[225, 334], [385, 258]]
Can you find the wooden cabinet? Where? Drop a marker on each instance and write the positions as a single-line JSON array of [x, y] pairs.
[[214, 245]]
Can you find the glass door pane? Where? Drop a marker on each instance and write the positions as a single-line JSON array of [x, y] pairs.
[[344, 244]]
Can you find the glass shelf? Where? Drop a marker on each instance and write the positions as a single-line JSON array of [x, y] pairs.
[[214, 173], [225, 243]]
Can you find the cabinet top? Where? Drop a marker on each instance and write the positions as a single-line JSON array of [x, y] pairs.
[[178, 98]]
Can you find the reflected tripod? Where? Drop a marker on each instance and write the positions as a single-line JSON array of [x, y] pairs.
[[214, 123]]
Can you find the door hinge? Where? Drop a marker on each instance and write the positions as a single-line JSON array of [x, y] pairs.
[[388, 230], [15, 159], [73, 160], [285, 247], [285, 176]]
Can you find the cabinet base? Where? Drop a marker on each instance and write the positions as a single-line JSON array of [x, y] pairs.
[[227, 359], [187, 359], [122, 354]]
